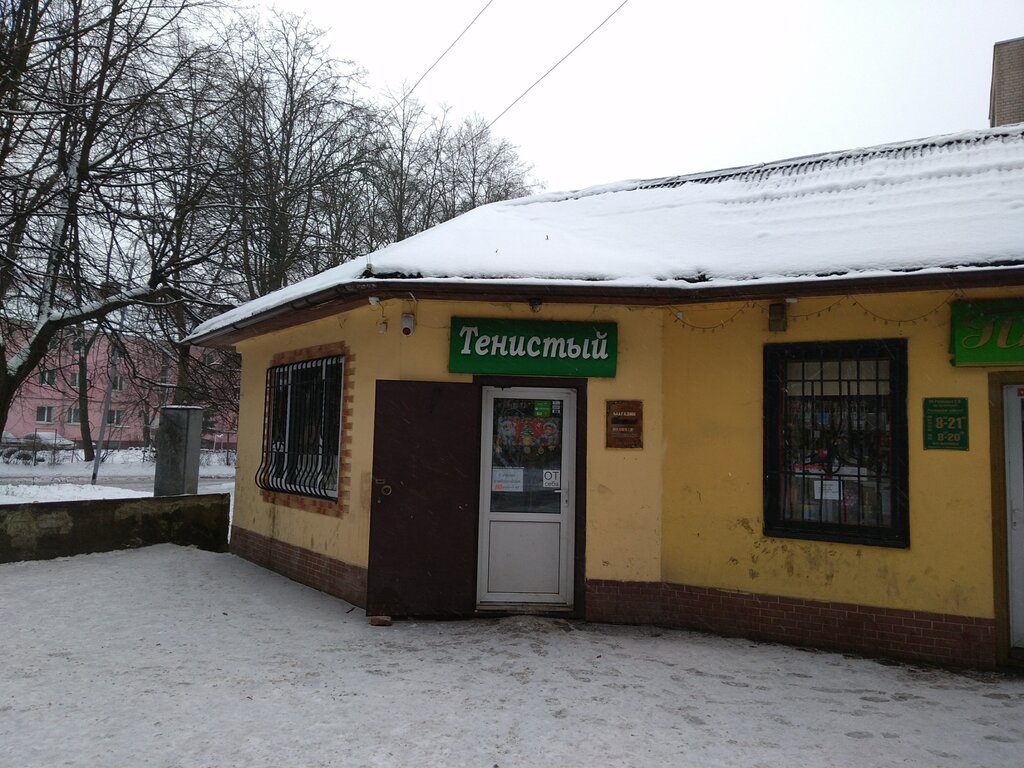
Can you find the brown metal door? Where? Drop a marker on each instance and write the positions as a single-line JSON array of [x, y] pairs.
[[425, 499]]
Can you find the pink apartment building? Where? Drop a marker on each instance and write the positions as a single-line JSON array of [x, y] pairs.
[[139, 383]]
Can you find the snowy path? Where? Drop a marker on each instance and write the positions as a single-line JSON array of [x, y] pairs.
[[174, 657]]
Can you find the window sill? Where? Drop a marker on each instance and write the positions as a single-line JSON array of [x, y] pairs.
[[892, 540], [329, 507]]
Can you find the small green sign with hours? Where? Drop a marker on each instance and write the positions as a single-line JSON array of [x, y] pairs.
[[945, 423]]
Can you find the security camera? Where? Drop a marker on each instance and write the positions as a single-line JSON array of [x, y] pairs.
[[408, 324]]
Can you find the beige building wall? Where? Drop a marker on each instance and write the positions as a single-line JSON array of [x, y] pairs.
[[623, 490], [713, 515], [687, 507]]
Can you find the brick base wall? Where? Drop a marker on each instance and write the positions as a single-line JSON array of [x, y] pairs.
[[302, 565], [910, 635]]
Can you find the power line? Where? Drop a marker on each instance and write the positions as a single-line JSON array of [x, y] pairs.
[[557, 63], [446, 50]]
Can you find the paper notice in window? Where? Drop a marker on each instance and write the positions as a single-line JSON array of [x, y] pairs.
[[552, 478], [828, 490], [507, 479]]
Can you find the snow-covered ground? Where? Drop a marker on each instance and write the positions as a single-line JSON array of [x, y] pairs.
[[24, 494], [169, 656], [64, 475]]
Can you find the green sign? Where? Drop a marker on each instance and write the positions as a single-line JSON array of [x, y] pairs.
[[945, 423], [987, 332], [532, 347]]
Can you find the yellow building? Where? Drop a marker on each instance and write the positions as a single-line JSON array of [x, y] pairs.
[[782, 402]]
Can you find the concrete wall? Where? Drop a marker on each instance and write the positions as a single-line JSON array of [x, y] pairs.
[[61, 528]]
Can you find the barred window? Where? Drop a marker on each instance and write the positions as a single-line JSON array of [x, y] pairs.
[[302, 424], [835, 441]]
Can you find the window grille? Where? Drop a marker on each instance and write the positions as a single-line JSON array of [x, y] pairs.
[[836, 441], [302, 422]]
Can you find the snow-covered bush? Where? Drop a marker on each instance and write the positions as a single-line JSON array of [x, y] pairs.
[[26, 457]]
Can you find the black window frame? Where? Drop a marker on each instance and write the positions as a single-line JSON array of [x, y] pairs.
[[303, 428], [776, 359]]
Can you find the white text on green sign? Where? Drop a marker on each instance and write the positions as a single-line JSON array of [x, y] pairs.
[[532, 347]]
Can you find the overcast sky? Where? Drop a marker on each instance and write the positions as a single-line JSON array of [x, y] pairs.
[[669, 87]]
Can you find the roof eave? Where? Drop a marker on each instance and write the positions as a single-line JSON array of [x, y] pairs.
[[347, 296]]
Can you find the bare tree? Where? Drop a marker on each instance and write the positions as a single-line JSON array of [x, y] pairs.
[[86, 86], [83, 341], [398, 175], [484, 169], [295, 136], [426, 170], [148, 180]]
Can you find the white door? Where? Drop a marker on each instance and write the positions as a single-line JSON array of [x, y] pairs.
[[527, 497], [1014, 438]]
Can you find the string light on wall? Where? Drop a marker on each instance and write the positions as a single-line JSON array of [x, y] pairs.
[[680, 318], [820, 312], [922, 318], [780, 313]]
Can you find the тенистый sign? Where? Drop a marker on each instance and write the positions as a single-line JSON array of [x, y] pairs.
[[987, 332], [532, 347]]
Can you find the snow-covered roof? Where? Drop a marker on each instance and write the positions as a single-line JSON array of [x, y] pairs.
[[951, 202]]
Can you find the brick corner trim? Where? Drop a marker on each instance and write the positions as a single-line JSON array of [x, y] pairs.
[[935, 638], [313, 569]]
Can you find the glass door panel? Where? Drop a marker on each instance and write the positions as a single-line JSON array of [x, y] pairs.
[[526, 457]]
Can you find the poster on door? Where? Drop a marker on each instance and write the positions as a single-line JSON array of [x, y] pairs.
[[527, 434]]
